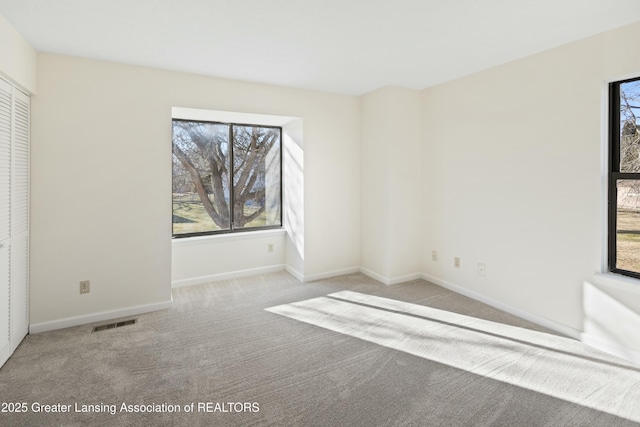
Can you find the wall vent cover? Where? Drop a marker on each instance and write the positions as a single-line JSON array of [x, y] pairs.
[[113, 325]]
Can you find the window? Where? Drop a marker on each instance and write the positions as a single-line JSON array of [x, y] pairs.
[[226, 177], [624, 178]]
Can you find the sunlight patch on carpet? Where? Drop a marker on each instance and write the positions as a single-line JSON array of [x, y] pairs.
[[546, 363]]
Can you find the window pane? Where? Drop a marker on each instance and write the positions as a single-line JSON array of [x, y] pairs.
[[256, 177], [629, 135], [628, 225], [200, 177]]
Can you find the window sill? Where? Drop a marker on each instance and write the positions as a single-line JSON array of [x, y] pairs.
[[618, 281], [229, 237]]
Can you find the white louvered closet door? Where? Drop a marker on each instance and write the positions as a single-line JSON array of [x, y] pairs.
[[20, 219], [5, 218], [14, 218]]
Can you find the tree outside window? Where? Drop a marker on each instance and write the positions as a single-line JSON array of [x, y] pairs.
[[226, 177]]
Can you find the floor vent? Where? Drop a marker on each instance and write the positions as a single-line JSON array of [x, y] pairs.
[[113, 325]]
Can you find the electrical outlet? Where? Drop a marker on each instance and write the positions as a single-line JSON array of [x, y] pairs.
[[270, 247], [456, 262], [482, 269], [434, 255], [85, 287]]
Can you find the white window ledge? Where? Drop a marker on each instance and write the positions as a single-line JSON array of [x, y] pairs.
[[618, 281], [227, 237]]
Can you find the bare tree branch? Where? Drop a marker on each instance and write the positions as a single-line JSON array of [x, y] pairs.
[[197, 180]]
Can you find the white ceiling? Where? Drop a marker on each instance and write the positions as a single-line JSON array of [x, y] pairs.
[[343, 46]]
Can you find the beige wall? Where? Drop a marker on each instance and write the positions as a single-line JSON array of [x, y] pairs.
[[508, 166], [101, 178], [513, 177], [391, 182], [17, 58], [375, 191], [205, 259]]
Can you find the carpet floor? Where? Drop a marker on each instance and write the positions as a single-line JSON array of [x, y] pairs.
[[347, 351]]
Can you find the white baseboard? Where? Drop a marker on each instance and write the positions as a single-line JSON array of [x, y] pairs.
[[68, 322], [550, 324], [226, 276], [610, 347], [295, 273], [262, 270], [405, 278], [375, 276], [390, 280], [329, 274]]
